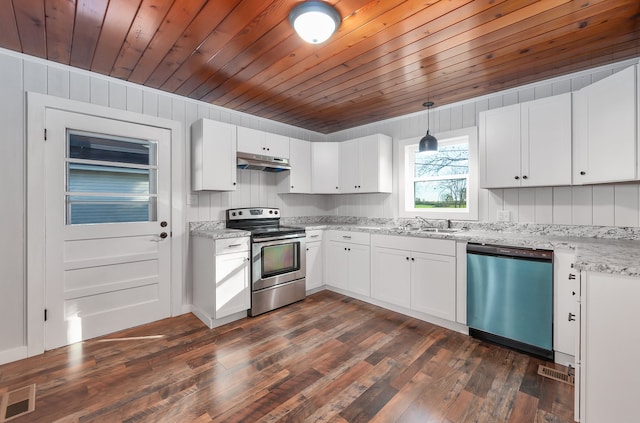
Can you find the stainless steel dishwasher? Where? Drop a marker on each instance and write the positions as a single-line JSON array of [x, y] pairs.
[[510, 297]]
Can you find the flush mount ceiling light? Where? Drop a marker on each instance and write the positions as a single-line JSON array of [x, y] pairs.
[[314, 21], [428, 143]]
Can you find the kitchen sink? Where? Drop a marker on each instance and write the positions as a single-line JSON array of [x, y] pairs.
[[441, 230]]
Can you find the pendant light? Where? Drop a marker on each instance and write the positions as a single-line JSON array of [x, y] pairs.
[[428, 143], [314, 21]]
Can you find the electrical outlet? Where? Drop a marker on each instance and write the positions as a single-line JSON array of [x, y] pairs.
[[504, 215]]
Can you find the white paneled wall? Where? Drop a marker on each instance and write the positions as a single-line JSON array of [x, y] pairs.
[[607, 205], [20, 74]]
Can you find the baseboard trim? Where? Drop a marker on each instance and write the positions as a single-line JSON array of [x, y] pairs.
[[13, 354]]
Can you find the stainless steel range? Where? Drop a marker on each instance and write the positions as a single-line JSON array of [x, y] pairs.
[[278, 263]]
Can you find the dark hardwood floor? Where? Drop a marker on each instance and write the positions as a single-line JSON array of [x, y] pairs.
[[329, 358]]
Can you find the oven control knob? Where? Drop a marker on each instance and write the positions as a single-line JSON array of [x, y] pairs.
[[270, 211], [240, 213], [275, 212], [233, 214]]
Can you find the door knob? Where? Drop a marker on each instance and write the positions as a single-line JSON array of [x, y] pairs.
[[163, 235], [163, 224]]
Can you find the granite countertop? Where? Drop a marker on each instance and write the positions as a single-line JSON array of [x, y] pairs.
[[616, 256], [593, 252]]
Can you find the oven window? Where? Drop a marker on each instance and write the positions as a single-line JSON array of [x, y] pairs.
[[279, 259]]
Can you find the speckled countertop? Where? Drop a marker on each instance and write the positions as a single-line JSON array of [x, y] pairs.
[[601, 249]]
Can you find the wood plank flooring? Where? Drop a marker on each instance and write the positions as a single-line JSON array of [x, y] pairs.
[[329, 358]]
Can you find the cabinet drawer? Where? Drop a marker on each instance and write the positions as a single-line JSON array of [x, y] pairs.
[[423, 245], [348, 236], [232, 245], [314, 235]]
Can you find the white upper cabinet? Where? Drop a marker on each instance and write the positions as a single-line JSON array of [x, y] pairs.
[[605, 118], [366, 164], [213, 156], [527, 144], [298, 179], [325, 169], [259, 142]]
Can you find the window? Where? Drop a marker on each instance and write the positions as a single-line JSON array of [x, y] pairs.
[[441, 185], [110, 179]]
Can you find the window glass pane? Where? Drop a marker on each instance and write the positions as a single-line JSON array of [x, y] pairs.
[[442, 193], [449, 160], [95, 147], [85, 209], [96, 178]]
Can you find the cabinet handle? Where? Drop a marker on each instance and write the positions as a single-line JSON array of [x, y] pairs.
[[345, 248], [573, 292], [307, 249], [407, 258], [291, 186], [346, 236], [234, 184], [571, 276], [313, 236], [572, 317], [349, 249], [336, 187], [525, 177], [582, 172], [234, 245], [413, 259], [516, 177]]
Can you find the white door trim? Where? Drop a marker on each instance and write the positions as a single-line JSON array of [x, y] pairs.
[[36, 108]]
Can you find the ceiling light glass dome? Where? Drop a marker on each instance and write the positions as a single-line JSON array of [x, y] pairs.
[[314, 21]]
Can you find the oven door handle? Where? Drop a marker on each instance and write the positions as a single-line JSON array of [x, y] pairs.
[[278, 238]]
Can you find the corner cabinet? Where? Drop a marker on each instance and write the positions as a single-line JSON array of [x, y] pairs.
[[415, 273], [605, 118], [221, 279], [263, 143], [526, 144], [347, 263], [298, 179], [366, 165], [213, 156]]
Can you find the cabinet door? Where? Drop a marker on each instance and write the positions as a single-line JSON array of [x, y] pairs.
[[276, 145], [251, 141], [325, 167], [300, 160], [349, 166], [336, 265], [566, 306], [500, 147], [232, 284], [375, 172], [610, 346], [546, 141], [391, 276], [213, 156], [359, 269], [314, 265], [433, 285], [605, 146]]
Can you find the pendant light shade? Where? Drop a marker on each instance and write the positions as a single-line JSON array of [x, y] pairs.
[[314, 21], [428, 143]]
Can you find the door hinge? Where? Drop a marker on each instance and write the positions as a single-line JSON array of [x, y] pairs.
[[45, 134], [45, 314]]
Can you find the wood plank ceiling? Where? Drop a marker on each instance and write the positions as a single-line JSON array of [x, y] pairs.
[[386, 59]]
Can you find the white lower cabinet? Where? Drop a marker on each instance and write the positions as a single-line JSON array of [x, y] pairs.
[[609, 344], [221, 278], [314, 258], [566, 283], [415, 273], [347, 264]]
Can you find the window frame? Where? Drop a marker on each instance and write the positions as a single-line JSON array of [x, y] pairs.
[[404, 190]]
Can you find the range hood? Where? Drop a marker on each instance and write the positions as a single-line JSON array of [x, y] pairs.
[[266, 163]]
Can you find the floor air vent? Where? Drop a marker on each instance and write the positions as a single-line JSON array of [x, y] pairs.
[[555, 374], [17, 403]]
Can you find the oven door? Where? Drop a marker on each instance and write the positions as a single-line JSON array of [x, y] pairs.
[[277, 261]]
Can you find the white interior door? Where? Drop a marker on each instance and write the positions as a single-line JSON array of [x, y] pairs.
[[107, 219]]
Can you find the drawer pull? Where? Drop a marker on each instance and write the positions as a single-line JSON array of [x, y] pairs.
[[572, 317], [571, 276], [313, 236], [346, 237], [234, 245]]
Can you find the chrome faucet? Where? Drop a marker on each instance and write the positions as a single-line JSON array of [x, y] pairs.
[[425, 222]]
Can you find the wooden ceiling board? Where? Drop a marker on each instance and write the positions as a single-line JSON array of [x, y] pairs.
[[29, 15], [145, 24], [385, 60], [59, 17], [117, 22], [194, 35], [180, 16], [9, 37], [86, 31], [502, 53]]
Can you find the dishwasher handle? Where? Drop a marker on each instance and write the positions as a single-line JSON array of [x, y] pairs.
[[505, 251]]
